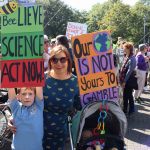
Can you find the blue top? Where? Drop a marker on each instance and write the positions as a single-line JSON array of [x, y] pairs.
[[141, 63], [130, 67], [29, 124], [59, 98]]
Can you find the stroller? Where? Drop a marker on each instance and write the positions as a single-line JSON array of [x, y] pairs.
[[5, 115], [104, 125]]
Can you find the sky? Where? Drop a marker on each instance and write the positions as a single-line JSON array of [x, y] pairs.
[[86, 4]]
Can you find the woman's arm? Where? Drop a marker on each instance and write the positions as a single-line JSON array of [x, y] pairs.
[[132, 65]]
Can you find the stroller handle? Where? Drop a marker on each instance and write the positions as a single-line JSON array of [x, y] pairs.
[[70, 133]]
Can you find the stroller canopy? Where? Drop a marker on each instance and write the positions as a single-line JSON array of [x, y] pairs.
[[79, 119]]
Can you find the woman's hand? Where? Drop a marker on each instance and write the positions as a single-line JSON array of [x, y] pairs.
[[11, 126]]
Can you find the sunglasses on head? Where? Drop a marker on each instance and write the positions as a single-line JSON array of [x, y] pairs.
[[61, 59]]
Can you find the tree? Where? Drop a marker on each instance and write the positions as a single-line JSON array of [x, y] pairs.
[[95, 16], [139, 12], [110, 15], [57, 14], [145, 2], [122, 20], [116, 19]]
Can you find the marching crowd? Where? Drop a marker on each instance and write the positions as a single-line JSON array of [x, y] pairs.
[[133, 72], [60, 94]]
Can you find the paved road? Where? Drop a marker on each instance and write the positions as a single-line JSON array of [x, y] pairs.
[[138, 133]]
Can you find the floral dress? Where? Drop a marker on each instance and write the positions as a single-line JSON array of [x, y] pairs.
[[60, 96]]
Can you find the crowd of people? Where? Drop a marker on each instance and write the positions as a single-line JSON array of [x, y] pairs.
[[134, 61], [60, 94]]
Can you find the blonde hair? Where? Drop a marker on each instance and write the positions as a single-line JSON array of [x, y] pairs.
[[26, 88]]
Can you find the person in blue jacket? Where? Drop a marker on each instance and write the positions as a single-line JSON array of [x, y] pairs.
[[125, 73]]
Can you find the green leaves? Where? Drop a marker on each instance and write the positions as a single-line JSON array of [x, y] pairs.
[[57, 15], [121, 19]]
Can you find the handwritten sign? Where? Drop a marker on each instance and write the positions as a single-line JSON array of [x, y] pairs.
[[22, 48], [95, 68], [74, 29], [24, 73]]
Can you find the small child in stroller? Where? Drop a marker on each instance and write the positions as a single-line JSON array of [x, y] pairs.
[[89, 138], [86, 134], [96, 142]]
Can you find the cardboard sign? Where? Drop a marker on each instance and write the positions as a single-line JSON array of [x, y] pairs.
[[24, 19], [22, 45], [22, 42], [22, 73], [95, 67], [74, 29]]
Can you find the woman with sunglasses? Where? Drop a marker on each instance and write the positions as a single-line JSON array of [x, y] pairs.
[[61, 95]]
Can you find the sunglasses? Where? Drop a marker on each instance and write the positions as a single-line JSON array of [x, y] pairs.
[[62, 60]]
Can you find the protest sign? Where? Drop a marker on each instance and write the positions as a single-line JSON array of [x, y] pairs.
[[95, 67], [22, 73], [8, 7], [74, 29], [22, 47]]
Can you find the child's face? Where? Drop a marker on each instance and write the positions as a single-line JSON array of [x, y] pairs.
[[86, 134], [26, 96]]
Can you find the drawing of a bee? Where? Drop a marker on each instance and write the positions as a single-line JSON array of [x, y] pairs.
[[9, 8]]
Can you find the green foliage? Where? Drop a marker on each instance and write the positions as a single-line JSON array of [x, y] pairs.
[[139, 13], [112, 16], [145, 2], [57, 14], [122, 20], [96, 15]]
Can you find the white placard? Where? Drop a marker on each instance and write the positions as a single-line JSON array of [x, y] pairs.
[[74, 28]]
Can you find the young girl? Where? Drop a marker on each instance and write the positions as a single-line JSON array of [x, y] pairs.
[[27, 112]]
